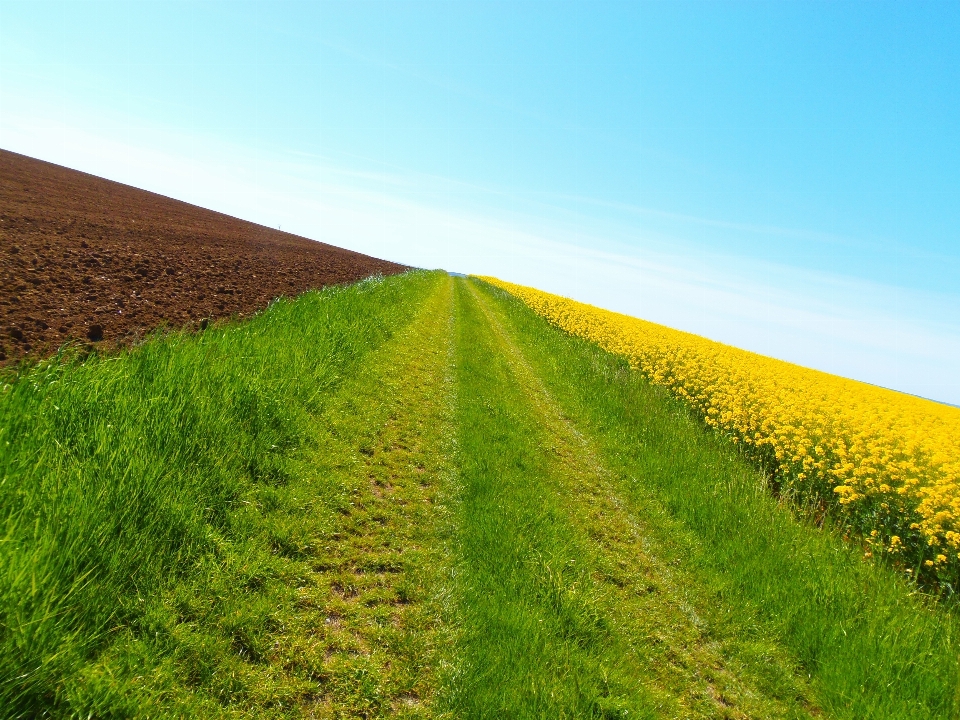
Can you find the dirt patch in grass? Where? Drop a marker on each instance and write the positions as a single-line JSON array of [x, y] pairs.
[[100, 263]]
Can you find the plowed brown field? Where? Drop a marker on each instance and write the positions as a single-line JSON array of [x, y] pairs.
[[91, 260]]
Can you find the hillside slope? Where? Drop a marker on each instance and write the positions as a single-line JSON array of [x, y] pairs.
[[413, 497], [91, 260]]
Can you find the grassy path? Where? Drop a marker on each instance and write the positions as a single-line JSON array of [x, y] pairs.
[[626, 640], [344, 619], [534, 639], [373, 592], [413, 498]]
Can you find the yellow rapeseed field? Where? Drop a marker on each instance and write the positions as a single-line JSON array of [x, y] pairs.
[[889, 462]]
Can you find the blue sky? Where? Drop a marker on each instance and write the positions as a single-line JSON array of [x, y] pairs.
[[780, 176]]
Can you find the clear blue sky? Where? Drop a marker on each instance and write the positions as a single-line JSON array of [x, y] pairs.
[[781, 176]]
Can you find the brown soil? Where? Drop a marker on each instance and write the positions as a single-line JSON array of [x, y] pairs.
[[90, 260]]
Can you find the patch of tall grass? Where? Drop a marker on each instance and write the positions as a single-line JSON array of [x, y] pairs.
[[118, 472]]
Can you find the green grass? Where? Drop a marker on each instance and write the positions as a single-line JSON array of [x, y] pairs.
[[414, 498], [534, 636], [573, 612], [148, 507], [870, 644]]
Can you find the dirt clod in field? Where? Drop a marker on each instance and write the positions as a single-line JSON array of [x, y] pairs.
[[89, 260]]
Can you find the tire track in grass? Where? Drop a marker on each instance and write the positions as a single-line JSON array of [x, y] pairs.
[[663, 643], [371, 604]]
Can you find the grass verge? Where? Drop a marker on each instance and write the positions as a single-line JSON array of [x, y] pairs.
[[137, 570], [871, 646]]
